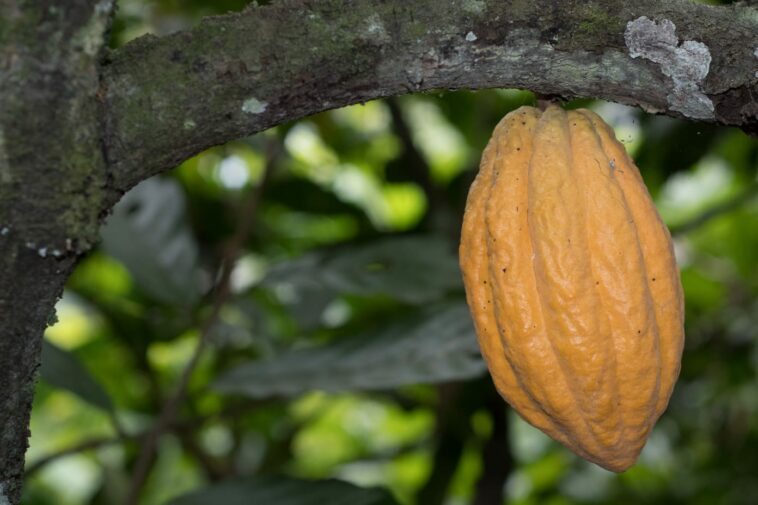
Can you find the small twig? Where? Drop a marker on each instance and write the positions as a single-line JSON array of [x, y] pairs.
[[451, 433], [116, 423], [248, 214], [183, 424], [214, 468], [497, 457], [439, 209], [87, 445], [722, 208], [417, 167]]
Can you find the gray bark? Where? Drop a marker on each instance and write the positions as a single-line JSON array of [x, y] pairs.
[[53, 183], [234, 75], [75, 135]]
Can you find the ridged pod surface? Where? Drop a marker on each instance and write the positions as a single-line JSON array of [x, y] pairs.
[[572, 283]]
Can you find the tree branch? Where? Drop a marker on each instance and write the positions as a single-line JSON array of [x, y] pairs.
[[725, 207], [86, 445], [169, 98], [178, 425], [248, 215]]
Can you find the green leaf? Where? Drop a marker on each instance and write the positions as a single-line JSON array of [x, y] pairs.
[[285, 491], [413, 269], [63, 369], [437, 346], [149, 234]]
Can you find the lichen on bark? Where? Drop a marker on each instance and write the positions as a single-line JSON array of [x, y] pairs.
[[686, 63]]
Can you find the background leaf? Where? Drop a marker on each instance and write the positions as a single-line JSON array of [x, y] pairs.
[[438, 346], [285, 491], [62, 369], [149, 234], [414, 269]]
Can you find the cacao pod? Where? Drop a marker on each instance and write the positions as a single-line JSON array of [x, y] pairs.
[[572, 283]]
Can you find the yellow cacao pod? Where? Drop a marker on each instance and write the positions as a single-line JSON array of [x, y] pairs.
[[572, 283]]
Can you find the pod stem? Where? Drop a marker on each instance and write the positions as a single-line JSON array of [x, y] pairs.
[[543, 101]]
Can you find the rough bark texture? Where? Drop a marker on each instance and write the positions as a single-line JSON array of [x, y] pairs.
[[73, 138], [235, 75], [52, 188]]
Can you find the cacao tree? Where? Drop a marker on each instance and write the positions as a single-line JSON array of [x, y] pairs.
[[82, 123]]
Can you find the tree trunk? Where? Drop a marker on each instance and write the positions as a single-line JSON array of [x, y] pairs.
[[52, 188]]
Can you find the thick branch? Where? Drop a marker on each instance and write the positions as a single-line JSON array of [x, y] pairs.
[[169, 98]]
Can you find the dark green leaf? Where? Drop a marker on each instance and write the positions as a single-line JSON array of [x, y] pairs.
[[62, 369], [285, 491], [438, 346], [413, 269], [306, 196], [149, 234]]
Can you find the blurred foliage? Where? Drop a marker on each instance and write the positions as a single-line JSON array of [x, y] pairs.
[[344, 350], [285, 492]]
